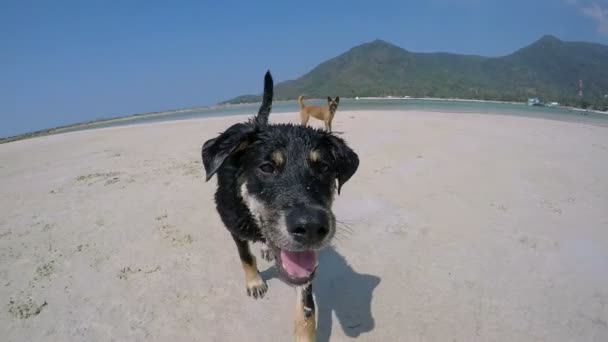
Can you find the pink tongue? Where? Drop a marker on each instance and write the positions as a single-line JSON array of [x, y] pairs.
[[299, 264]]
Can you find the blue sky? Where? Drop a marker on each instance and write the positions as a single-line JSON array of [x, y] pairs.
[[69, 61]]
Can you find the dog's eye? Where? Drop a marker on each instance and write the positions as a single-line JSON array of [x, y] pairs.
[[267, 168], [323, 168]]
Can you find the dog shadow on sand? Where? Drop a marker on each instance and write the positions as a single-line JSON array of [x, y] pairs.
[[339, 290]]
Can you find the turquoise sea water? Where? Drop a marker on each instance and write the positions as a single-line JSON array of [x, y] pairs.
[[557, 113]]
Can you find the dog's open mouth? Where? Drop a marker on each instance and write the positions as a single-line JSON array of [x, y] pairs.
[[296, 268]]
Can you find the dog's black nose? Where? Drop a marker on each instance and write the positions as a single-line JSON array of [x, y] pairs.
[[308, 225]]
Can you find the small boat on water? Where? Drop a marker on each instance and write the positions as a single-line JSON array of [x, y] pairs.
[[535, 101]]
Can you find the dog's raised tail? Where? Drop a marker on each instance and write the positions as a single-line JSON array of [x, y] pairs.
[[301, 101], [264, 112]]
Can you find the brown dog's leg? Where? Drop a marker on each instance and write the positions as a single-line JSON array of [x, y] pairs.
[[305, 329], [256, 286], [327, 125], [304, 119]]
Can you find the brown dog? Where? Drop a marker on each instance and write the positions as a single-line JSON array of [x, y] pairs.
[[326, 114]]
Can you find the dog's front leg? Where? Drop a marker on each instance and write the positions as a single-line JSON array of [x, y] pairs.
[[305, 329], [256, 286]]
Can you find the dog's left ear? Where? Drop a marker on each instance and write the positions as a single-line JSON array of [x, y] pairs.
[[347, 161], [329, 99], [215, 151], [337, 99]]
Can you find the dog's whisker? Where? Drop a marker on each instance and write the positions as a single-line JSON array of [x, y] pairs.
[[343, 223], [344, 226], [344, 230], [340, 236], [347, 222], [344, 234], [343, 238]]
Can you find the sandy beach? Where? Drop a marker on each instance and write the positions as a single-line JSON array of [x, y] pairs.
[[460, 227]]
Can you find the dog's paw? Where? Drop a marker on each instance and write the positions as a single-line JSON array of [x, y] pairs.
[[267, 254], [257, 288]]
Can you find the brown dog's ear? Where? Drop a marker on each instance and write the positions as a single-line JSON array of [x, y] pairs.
[[329, 99], [347, 161], [337, 99], [215, 151]]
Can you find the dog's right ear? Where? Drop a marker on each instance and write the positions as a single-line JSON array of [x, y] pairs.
[[329, 99], [215, 151]]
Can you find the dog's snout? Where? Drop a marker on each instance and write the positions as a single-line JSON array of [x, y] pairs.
[[308, 225]]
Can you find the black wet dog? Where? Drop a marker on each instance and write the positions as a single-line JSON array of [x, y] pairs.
[[276, 185]]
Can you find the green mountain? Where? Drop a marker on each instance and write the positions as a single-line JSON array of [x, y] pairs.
[[549, 68]]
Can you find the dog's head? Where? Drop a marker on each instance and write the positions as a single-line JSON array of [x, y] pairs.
[[286, 176], [333, 103]]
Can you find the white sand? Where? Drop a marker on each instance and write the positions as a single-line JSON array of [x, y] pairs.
[[463, 227]]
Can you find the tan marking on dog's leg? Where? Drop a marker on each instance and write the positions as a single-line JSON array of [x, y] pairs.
[[305, 323], [256, 286], [254, 283], [278, 158], [251, 272]]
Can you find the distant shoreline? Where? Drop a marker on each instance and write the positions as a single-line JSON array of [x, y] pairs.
[[437, 99], [95, 123], [128, 117]]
